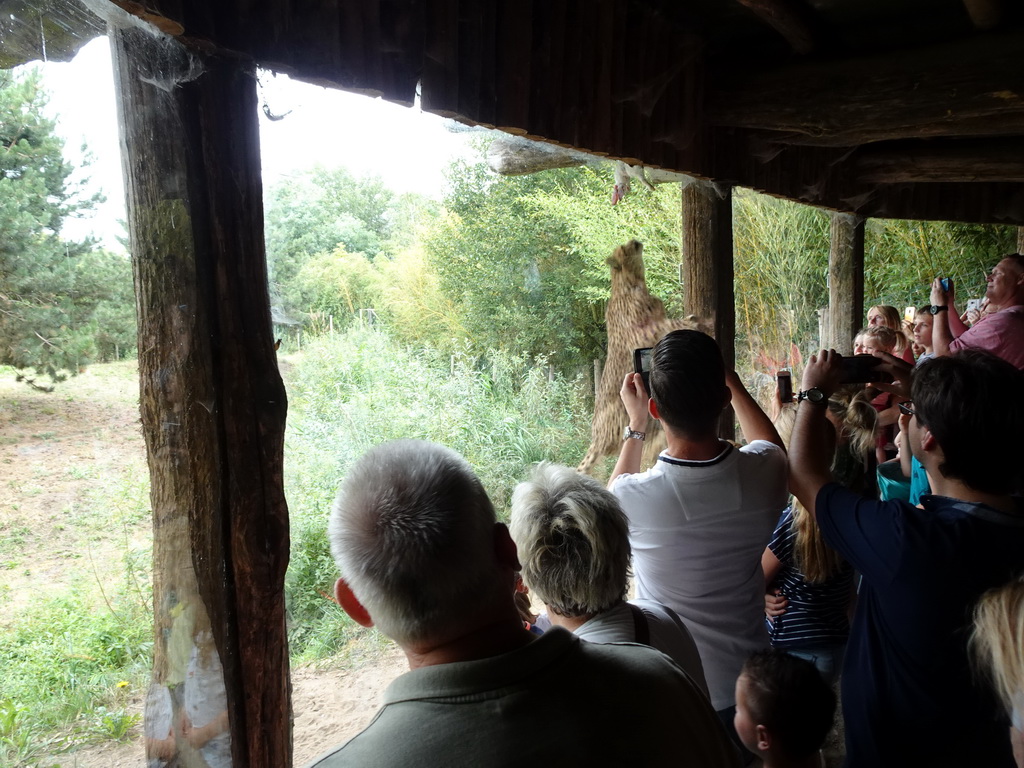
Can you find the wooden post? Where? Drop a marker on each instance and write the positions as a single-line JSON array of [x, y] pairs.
[[1020, 239], [212, 400], [708, 269], [845, 282]]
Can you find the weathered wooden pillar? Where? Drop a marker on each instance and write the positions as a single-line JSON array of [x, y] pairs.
[[212, 401], [708, 268], [1020, 239], [845, 282]]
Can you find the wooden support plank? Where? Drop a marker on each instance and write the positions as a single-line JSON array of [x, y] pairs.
[[845, 282], [985, 14], [486, 60], [567, 110], [1020, 239], [631, 134], [476, 57], [545, 92], [594, 82], [440, 83], [972, 87], [212, 400], [793, 19], [513, 57], [708, 290]]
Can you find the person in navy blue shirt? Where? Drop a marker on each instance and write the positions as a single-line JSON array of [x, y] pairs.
[[909, 694]]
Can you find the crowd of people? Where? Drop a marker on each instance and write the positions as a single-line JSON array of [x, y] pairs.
[[748, 560]]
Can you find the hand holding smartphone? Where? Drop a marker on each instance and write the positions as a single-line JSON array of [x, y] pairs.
[[642, 365], [861, 369]]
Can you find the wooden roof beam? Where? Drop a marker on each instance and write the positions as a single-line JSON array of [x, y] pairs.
[[973, 87]]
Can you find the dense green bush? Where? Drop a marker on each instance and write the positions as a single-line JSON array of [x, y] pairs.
[[353, 391], [66, 666]]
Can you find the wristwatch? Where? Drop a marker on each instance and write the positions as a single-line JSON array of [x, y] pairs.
[[934, 309], [814, 395], [629, 433]]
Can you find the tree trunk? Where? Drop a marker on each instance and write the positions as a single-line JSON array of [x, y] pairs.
[[845, 282], [708, 269], [212, 401]]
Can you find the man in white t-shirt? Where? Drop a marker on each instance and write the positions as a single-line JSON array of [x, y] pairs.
[[700, 519]]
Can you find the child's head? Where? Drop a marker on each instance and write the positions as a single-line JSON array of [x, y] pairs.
[[784, 708], [876, 338]]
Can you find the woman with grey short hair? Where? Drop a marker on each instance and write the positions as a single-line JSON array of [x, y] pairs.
[[573, 544]]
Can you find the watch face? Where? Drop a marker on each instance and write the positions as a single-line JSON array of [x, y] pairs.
[[815, 395]]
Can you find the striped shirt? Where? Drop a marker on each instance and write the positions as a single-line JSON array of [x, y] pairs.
[[816, 615]]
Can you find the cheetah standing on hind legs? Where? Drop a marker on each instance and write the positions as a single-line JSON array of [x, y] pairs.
[[634, 318]]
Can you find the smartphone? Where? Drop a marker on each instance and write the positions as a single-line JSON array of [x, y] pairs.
[[946, 282], [861, 369], [974, 304], [909, 313], [642, 365], [785, 383]]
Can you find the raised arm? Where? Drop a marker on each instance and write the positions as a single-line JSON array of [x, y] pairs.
[[811, 444], [946, 325], [636, 400], [754, 422]]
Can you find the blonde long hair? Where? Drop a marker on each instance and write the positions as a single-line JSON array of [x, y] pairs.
[[855, 421], [891, 319], [997, 641]]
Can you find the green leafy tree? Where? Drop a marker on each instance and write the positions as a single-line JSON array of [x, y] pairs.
[[314, 213], [103, 306], [520, 281], [38, 269], [486, 253], [337, 284]]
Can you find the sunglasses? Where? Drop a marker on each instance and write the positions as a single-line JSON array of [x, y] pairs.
[[904, 408]]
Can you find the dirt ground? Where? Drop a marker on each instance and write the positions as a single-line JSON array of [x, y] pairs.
[[58, 452], [62, 451]]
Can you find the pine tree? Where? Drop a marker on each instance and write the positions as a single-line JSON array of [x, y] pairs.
[[37, 266]]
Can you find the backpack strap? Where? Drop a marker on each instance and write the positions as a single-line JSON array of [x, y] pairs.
[[641, 631]]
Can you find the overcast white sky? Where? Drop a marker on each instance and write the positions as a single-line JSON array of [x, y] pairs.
[[407, 148]]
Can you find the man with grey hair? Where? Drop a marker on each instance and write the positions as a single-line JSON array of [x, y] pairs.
[[422, 556], [573, 543]]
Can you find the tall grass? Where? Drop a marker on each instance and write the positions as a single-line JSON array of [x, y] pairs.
[[353, 391]]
